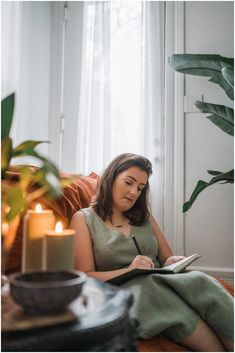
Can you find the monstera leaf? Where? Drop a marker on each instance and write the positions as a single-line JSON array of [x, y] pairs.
[[228, 74], [220, 70], [220, 177], [208, 65], [221, 116]]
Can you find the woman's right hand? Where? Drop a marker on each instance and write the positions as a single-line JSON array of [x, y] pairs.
[[141, 261]]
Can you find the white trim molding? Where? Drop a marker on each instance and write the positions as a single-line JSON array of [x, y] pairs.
[[174, 129], [56, 81]]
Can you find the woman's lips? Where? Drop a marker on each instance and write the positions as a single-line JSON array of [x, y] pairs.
[[129, 200]]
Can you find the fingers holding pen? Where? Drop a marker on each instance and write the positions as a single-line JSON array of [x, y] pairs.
[[141, 261]]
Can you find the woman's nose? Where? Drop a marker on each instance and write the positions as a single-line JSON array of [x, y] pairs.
[[134, 191]]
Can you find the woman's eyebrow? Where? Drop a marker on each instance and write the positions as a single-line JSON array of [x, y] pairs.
[[129, 176]]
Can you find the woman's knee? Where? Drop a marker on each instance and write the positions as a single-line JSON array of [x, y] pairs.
[[203, 339]]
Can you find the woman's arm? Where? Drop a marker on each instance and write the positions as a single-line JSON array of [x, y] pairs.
[[165, 254], [84, 257]]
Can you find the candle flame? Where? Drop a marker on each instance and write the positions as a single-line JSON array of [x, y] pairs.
[[5, 228], [8, 209], [38, 208], [59, 227]]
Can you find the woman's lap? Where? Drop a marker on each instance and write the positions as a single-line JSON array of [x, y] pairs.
[[173, 304]]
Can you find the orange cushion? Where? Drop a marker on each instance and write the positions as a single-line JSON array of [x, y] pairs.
[[75, 196]]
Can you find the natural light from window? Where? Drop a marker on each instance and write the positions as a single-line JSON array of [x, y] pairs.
[[126, 70]]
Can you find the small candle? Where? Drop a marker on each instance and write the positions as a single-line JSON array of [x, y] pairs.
[[58, 249], [5, 231], [36, 222]]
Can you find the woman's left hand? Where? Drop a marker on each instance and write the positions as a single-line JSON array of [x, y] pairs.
[[172, 259]]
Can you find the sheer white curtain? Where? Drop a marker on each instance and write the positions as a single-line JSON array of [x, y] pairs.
[[93, 137], [121, 99]]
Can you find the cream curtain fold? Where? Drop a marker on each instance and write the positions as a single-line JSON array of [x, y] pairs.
[[121, 106]]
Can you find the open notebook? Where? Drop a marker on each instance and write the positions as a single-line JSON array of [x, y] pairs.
[[174, 268]]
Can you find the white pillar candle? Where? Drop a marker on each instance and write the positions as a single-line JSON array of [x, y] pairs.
[[36, 222], [58, 249]]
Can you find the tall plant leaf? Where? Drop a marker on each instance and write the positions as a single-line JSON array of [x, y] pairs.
[[32, 182], [47, 175], [227, 177], [228, 74], [208, 65], [24, 147], [222, 116], [214, 172], [6, 153], [7, 109], [48, 166], [16, 202]]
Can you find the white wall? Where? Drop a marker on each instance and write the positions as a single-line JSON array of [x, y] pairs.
[[33, 94], [25, 67], [56, 63], [209, 223]]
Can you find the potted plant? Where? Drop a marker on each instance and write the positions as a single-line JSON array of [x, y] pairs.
[[221, 71], [22, 184]]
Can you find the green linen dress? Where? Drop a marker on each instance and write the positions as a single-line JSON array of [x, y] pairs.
[[166, 304]]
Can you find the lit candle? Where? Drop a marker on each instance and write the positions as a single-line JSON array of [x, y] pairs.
[[36, 222], [5, 231], [58, 249]]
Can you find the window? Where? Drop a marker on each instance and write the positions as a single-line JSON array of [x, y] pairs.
[[127, 70]]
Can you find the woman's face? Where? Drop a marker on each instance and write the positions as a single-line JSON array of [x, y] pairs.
[[127, 187]]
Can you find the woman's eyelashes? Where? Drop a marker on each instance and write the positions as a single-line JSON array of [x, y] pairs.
[[130, 183]]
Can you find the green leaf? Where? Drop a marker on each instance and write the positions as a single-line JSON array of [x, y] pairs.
[[48, 166], [208, 65], [214, 172], [54, 184], [228, 74], [47, 175], [26, 177], [6, 153], [66, 182], [26, 146], [16, 202], [222, 116], [7, 109], [50, 181], [227, 177]]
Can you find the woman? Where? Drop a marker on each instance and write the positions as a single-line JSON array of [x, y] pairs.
[[190, 308]]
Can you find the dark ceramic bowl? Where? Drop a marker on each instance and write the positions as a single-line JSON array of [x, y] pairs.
[[46, 291]]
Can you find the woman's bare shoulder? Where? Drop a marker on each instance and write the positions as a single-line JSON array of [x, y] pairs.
[[152, 219], [78, 219], [79, 215]]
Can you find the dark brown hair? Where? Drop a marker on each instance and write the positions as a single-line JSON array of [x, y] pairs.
[[138, 214]]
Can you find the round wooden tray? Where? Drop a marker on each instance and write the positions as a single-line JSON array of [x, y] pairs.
[[15, 319]]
